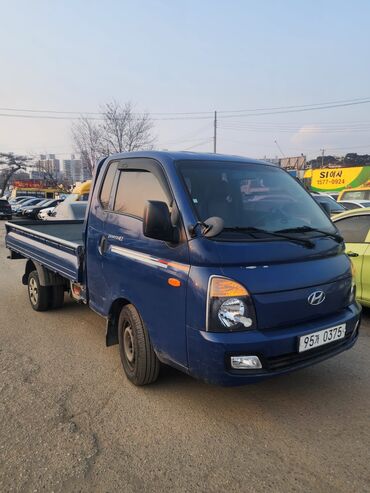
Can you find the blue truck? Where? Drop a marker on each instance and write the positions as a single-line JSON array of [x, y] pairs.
[[220, 266]]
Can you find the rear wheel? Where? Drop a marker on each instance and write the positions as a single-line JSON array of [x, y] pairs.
[[139, 360], [39, 295]]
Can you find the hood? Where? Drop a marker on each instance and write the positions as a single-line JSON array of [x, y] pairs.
[[281, 276]]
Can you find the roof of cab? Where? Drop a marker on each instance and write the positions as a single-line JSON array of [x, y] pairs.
[[169, 156]]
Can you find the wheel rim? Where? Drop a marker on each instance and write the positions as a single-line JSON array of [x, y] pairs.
[[33, 291], [128, 345]]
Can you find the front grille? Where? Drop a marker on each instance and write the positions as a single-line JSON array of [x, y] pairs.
[[291, 359]]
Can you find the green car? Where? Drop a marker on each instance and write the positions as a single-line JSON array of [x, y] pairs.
[[354, 226]]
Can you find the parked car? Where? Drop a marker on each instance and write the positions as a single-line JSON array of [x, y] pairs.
[[354, 204], [5, 209], [328, 204], [16, 200], [187, 271], [332, 195], [354, 226], [33, 210], [25, 203], [44, 214], [16, 205], [360, 193]]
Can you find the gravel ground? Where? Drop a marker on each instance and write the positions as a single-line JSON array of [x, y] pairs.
[[70, 421]]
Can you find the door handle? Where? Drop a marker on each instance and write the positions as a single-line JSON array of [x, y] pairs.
[[103, 245], [352, 254]]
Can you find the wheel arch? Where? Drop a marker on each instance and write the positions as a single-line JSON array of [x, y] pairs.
[[46, 276], [30, 266], [111, 337]]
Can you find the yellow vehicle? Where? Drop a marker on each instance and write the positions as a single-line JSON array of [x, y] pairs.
[[359, 193], [354, 226], [81, 191]]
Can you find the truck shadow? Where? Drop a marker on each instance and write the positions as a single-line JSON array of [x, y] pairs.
[[308, 388]]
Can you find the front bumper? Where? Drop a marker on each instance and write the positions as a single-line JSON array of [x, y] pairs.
[[209, 352]]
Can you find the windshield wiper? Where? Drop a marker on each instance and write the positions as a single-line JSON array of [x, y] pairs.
[[252, 230], [307, 229]]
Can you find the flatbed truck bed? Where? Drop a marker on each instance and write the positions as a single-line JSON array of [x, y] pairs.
[[57, 245]]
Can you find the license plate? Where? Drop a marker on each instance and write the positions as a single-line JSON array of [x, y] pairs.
[[322, 337]]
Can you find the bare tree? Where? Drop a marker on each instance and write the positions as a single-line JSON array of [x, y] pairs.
[[10, 163], [121, 130], [88, 142], [125, 131]]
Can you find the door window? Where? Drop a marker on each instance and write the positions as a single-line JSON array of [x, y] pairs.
[[354, 229], [135, 188], [106, 189]]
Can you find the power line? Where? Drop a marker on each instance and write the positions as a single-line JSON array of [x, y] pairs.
[[298, 106], [193, 115], [302, 131]]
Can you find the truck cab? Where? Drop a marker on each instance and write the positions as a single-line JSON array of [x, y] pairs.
[[221, 266]]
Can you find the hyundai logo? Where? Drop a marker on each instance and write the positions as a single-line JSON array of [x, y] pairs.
[[316, 298]]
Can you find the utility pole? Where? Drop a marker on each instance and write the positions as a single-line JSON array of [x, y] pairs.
[[215, 133], [322, 157]]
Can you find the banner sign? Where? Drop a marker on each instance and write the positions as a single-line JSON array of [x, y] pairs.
[[336, 179]]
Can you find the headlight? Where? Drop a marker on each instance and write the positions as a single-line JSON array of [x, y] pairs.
[[229, 306], [28, 210]]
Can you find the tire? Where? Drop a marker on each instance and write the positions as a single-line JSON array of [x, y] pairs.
[[57, 296], [39, 296], [138, 358]]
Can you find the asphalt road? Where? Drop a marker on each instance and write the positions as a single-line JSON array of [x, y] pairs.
[[70, 421]]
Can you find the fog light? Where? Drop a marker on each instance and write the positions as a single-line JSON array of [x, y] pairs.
[[245, 362]]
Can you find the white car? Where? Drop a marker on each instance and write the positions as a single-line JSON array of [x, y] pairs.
[[354, 204], [45, 213]]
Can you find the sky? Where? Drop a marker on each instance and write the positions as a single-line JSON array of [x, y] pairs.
[[193, 56]]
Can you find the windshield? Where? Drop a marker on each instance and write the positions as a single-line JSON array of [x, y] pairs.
[[251, 196], [46, 203], [29, 202], [356, 195], [42, 202]]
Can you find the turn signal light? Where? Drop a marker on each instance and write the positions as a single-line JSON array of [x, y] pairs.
[[224, 288], [174, 282]]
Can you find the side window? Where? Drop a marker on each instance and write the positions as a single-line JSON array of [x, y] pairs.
[[107, 186], [354, 229], [135, 187]]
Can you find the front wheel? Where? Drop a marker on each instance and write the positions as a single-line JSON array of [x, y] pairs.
[[39, 295], [138, 358]]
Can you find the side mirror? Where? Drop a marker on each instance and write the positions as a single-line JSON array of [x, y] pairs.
[[157, 221]]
